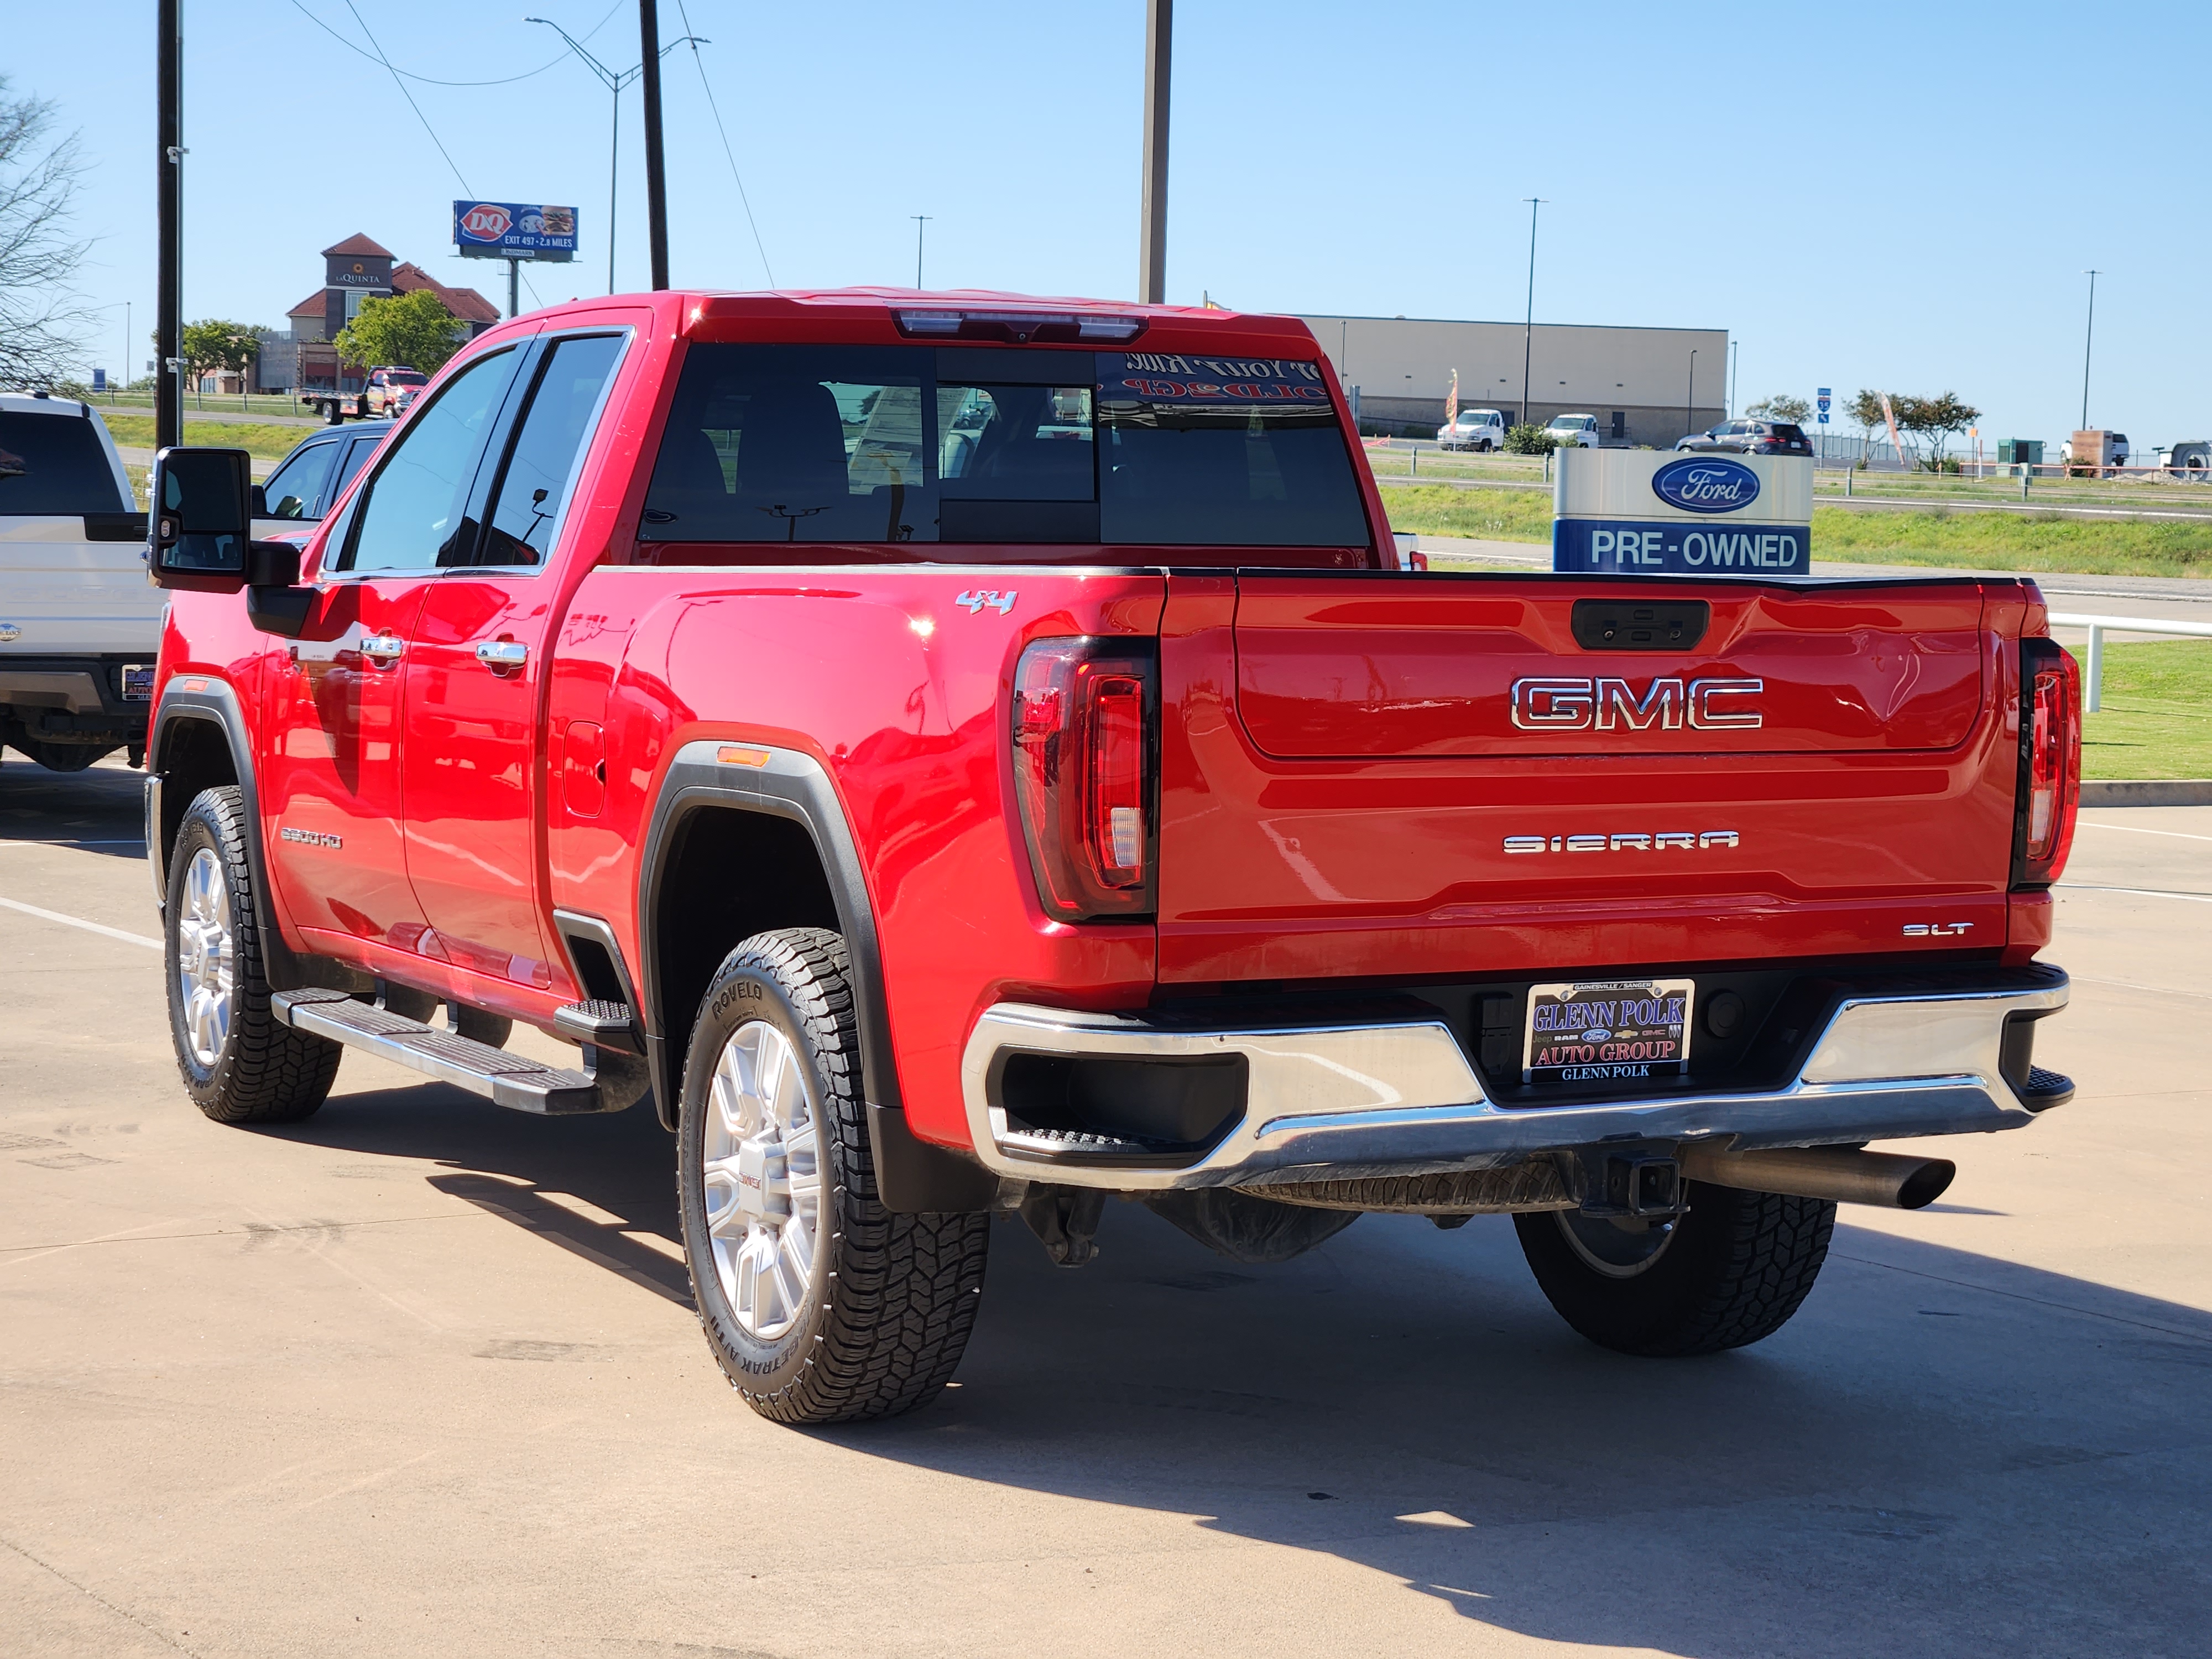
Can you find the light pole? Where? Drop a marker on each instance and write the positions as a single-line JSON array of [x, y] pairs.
[[1735, 363], [1690, 397], [921, 223], [1529, 323], [614, 81], [1152, 228], [2088, 337]]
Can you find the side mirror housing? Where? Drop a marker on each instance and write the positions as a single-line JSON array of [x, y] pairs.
[[200, 519]]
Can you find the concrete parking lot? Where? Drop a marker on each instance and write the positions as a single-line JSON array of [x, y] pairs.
[[420, 1377]]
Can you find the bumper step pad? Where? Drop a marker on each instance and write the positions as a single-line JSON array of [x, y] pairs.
[[503, 1078], [611, 1024]]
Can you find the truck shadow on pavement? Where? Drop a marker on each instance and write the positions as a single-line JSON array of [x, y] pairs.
[[101, 810], [1944, 1452]]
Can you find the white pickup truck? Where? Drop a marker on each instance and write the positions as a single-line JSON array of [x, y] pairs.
[[80, 625]]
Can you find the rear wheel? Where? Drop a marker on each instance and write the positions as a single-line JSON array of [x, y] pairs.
[[1728, 1272], [820, 1305], [240, 1065]]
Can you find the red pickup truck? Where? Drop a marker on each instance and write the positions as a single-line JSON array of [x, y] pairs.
[[959, 753]]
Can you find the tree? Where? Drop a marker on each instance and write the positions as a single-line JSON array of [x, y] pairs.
[[409, 330], [43, 322], [1782, 407], [1936, 419], [212, 344]]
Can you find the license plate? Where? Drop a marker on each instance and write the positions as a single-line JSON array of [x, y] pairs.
[[1614, 1030], [137, 681]]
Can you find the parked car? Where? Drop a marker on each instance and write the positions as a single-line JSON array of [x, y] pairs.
[[1091, 825], [1573, 431], [1479, 429], [307, 482], [80, 628], [1752, 438]]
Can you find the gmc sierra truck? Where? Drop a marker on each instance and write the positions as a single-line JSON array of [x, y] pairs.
[[959, 753]]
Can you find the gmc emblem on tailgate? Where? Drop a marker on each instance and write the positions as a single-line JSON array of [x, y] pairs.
[[1568, 705]]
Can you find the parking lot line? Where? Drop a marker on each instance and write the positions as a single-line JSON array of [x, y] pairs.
[[79, 921], [2084, 887], [2137, 829]]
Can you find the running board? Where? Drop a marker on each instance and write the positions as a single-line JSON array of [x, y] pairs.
[[503, 1078]]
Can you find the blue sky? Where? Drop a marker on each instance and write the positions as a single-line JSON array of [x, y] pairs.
[[1896, 197]]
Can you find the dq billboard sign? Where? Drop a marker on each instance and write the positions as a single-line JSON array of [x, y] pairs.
[[1640, 512], [515, 230]]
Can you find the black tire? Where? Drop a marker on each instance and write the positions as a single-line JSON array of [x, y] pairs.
[[63, 756], [887, 1311], [260, 1071], [1731, 1272]]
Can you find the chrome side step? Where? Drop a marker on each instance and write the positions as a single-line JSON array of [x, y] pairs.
[[505, 1080]]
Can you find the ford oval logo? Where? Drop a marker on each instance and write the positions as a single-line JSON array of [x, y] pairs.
[[1597, 1034], [1707, 483]]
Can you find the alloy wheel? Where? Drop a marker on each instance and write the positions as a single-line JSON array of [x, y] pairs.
[[761, 1168], [207, 957]]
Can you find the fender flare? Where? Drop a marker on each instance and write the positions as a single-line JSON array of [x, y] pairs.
[[215, 702], [912, 1174]]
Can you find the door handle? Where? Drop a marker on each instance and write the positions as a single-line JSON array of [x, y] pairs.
[[382, 650], [502, 656]]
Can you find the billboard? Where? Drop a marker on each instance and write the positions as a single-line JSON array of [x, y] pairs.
[[515, 230]]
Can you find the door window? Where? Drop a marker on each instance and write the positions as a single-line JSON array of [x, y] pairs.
[[356, 458], [295, 490], [542, 461], [414, 508]]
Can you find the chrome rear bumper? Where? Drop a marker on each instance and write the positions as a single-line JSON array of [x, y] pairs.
[[1397, 1097]]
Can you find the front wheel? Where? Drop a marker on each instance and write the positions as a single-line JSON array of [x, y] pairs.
[[819, 1304], [1728, 1272], [241, 1064]]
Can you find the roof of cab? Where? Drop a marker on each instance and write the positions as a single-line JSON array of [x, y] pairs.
[[869, 313]]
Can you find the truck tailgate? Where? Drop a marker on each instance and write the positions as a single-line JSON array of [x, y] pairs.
[[68, 593], [1395, 775]]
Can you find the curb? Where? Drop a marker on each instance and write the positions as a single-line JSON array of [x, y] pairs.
[[2165, 792]]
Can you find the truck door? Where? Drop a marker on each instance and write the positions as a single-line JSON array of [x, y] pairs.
[[333, 777], [475, 667]]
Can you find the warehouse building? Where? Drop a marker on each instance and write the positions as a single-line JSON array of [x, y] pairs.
[[1643, 384]]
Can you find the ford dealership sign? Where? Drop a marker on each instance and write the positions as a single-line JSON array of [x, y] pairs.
[[1707, 483], [1644, 513]]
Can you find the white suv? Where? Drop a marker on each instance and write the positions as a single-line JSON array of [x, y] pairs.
[[80, 625], [1478, 430], [1573, 431]]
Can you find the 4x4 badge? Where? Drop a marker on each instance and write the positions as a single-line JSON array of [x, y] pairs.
[[1001, 603]]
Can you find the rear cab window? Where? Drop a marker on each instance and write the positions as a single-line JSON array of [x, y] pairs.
[[963, 448], [54, 465]]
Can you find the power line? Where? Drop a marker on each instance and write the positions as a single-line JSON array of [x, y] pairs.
[[466, 188], [432, 81], [730, 155]]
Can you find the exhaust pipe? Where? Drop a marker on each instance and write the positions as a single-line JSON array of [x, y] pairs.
[[1838, 1174]]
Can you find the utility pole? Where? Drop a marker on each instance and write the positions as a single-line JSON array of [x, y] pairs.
[[1528, 324], [2088, 338], [1690, 397], [169, 138], [920, 221], [656, 176], [1735, 363], [1153, 242], [615, 81]]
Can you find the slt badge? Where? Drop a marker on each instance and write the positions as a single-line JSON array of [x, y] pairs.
[[1001, 603]]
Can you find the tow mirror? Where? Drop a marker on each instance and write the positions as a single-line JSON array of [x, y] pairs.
[[200, 537], [201, 518]]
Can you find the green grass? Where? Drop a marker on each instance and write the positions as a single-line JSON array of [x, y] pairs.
[[2024, 542], [2156, 722], [1504, 515], [269, 442]]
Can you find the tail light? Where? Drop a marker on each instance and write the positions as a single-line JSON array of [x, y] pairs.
[[2050, 762], [1083, 775]]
